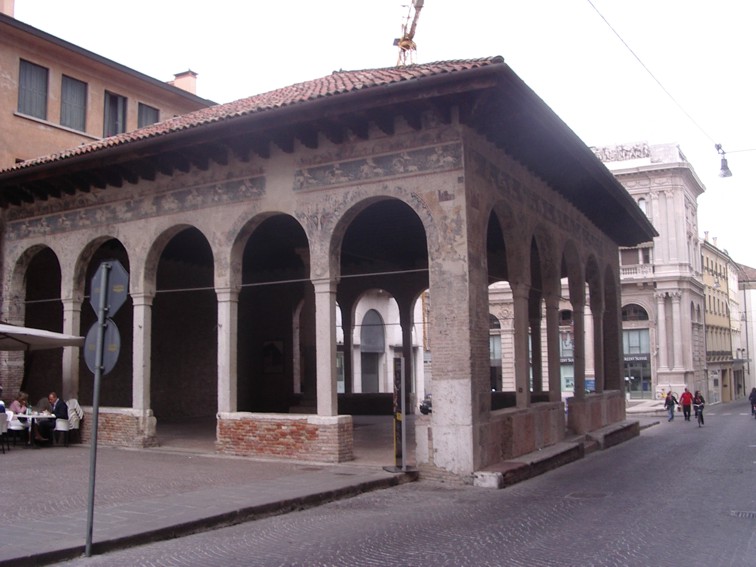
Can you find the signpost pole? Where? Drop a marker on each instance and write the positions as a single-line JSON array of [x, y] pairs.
[[101, 322]]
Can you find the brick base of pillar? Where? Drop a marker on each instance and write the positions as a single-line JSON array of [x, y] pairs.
[[595, 411], [120, 427], [286, 436], [509, 433]]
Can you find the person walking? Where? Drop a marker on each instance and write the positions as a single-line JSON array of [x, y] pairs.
[[752, 399], [685, 401], [670, 402], [698, 403]]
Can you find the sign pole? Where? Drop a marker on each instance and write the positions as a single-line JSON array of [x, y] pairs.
[[101, 323]]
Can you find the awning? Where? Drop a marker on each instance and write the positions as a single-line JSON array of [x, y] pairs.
[[26, 338]]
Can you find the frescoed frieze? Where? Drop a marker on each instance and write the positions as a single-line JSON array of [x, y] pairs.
[[408, 162], [89, 212]]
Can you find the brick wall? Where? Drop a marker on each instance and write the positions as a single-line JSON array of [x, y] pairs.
[[286, 436], [595, 411], [120, 427]]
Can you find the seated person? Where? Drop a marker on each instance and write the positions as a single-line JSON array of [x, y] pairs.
[[59, 409], [19, 405]]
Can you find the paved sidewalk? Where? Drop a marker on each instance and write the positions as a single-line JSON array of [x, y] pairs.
[[149, 494]]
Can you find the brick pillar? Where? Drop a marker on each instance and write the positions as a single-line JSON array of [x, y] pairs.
[[520, 294]]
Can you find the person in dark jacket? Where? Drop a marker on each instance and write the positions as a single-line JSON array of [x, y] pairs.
[[698, 404], [670, 402], [59, 409], [752, 399]]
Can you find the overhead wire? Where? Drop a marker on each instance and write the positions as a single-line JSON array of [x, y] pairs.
[[656, 80]]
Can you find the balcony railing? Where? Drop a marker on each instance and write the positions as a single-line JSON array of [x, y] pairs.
[[639, 271]]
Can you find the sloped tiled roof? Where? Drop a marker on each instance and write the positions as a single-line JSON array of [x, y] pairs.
[[335, 84], [746, 273], [487, 95]]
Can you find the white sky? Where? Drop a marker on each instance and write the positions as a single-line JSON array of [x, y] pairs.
[[701, 51]]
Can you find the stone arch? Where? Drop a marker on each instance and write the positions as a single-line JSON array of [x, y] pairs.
[[35, 301], [271, 259], [120, 391], [146, 273], [243, 232], [343, 217], [372, 348], [83, 263], [516, 239], [382, 243], [13, 304], [179, 272], [573, 269], [549, 259]]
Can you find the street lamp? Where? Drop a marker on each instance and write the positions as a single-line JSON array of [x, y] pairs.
[[724, 170]]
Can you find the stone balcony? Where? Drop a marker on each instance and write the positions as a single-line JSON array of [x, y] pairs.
[[637, 272]]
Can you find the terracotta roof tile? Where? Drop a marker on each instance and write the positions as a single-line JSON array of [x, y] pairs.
[[746, 273], [336, 84]]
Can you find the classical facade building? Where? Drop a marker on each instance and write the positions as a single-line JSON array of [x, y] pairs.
[[662, 285], [246, 225], [747, 308], [724, 353], [55, 95]]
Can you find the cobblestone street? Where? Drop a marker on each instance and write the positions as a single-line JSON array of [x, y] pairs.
[[677, 495]]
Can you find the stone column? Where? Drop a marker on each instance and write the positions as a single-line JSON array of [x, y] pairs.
[[578, 320], [534, 322], [142, 350], [71, 326], [228, 318], [347, 326], [325, 346], [598, 347], [520, 294], [677, 331], [552, 347], [672, 230], [590, 342], [661, 330], [406, 321]]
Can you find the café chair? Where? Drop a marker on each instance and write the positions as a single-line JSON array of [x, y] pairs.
[[16, 426], [61, 426], [75, 417], [4, 431]]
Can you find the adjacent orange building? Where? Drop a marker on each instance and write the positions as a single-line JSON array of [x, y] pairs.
[[55, 95]]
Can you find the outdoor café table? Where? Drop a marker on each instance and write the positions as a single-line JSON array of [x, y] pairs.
[[32, 417]]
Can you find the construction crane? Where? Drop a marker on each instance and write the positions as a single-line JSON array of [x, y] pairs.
[[406, 43]]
